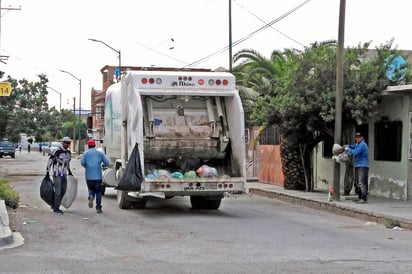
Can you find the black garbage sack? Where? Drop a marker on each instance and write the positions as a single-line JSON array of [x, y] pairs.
[[47, 190], [132, 177]]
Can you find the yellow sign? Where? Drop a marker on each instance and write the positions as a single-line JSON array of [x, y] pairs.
[[5, 89]]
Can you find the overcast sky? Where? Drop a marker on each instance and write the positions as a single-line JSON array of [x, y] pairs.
[[46, 36]]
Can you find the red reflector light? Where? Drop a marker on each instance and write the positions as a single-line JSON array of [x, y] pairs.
[[151, 80], [200, 82], [218, 82], [144, 80], [225, 82]]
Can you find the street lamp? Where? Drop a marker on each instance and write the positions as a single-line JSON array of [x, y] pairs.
[[60, 109], [80, 105], [119, 72]]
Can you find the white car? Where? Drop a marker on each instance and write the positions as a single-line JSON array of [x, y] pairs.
[[51, 148]]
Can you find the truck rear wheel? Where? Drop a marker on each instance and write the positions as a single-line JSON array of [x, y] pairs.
[[199, 202], [139, 204], [122, 200]]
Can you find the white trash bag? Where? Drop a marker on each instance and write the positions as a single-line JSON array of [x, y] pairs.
[[337, 149], [71, 192], [339, 154]]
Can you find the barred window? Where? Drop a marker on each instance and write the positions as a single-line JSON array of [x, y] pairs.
[[270, 136], [247, 136], [100, 113]]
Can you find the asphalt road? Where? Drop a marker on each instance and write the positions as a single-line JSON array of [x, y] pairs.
[[248, 234]]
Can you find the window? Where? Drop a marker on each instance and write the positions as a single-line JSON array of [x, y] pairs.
[[388, 141], [99, 113], [327, 146], [270, 136], [329, 140], [247, 136]]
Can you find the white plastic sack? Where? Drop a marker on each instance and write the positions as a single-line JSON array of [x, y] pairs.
[[71, 192], [337, 149]]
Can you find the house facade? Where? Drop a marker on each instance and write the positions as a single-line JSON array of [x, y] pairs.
[[388, 136]]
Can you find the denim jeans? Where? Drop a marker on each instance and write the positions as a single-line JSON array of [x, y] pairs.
[[95, 190], [362, 180], [60, 186]]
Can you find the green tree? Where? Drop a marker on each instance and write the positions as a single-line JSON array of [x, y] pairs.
[[302, 100], [26, 109]]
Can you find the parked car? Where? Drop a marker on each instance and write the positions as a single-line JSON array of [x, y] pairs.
[[7, 149], [49, 148]]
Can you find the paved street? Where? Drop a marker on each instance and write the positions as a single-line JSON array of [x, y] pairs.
[[248, 234]]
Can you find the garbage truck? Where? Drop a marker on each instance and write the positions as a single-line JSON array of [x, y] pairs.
[[188, 128]]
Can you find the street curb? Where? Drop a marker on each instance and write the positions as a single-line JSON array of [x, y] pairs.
[[6, 235], [332, 207]]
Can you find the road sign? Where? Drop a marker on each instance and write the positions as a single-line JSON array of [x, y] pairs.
[[5, 89]]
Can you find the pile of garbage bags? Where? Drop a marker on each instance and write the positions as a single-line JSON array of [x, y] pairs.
[[203, 171]]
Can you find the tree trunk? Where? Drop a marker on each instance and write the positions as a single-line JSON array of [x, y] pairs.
[[292, 165]]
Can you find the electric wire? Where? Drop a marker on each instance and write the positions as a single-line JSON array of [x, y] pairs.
[[263, 21], [241, 40]]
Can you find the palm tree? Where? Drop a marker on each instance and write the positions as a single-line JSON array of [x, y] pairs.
[[257, 77]]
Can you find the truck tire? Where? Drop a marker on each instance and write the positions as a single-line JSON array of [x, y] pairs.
[[139, 204], [199, 202], [122, 200]]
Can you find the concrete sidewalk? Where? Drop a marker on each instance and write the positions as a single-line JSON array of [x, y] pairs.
[[377, 210], [8, 238]]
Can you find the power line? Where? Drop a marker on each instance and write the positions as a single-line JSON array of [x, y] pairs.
[[263, 21], [4, 58], [160, 53], [249, 35]]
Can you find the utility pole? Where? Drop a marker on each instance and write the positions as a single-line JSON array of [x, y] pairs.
[[118, 71], [339, 96], [60, 94], [230, 35], [4, 58], [74, 124], [80, 107]]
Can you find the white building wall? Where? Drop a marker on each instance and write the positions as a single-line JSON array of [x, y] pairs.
[[386, 178]]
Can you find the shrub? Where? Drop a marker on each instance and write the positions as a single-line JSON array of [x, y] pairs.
[[8, 194], [390, 223]]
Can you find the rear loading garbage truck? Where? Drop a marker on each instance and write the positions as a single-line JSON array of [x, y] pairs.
[[188, 126]]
